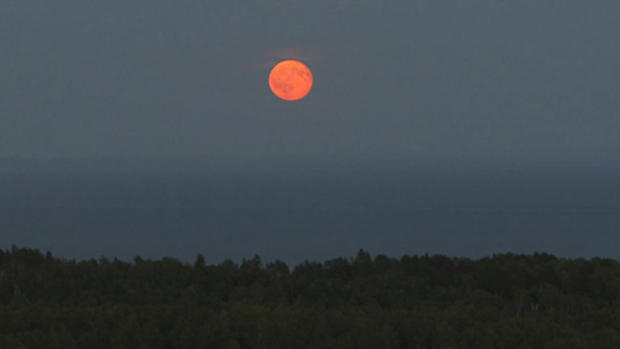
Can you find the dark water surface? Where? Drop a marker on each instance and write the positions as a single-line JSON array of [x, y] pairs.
[[297, 217]]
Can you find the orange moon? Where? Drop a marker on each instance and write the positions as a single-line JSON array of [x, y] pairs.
[[291, 80]]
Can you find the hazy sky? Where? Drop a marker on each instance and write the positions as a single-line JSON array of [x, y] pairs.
[[189, 78]]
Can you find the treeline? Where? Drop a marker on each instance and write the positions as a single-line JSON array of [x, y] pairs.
[[506, 301]]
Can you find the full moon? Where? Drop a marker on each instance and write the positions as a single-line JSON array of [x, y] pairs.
[[291, 80]]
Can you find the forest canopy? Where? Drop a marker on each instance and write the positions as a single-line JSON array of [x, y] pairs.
[[503, 301]]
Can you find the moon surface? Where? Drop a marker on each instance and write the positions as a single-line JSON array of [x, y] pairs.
[[291, 80]]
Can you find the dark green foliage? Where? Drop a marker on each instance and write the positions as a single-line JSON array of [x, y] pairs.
[[506, 301]]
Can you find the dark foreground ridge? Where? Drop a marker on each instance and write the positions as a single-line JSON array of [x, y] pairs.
[[506, 301]]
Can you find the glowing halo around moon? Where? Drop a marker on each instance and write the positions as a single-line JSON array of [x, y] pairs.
[[291, 80]]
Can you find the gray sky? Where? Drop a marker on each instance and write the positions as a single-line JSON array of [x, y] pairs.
[[417, 78]]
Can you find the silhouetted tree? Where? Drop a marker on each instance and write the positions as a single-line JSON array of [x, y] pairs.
[[503, 301]]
